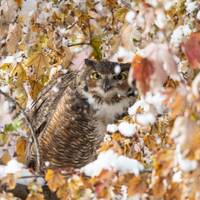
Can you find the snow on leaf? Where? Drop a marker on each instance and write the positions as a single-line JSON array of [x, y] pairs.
[[127, 129], [145, 119], [110, 160], [112, 128], [191, 48], [14, 59]]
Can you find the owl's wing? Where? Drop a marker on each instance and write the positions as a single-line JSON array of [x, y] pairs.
[[46, 102]]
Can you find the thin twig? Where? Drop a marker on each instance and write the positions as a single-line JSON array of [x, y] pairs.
[[31, 176], [28, 122], [78, 44], [72, 25]]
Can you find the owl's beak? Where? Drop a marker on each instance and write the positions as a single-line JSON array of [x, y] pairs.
[[106, 85]]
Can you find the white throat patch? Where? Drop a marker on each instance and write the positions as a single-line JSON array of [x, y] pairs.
[[107, 112]]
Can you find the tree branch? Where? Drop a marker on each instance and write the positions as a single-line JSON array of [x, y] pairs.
[[78, 44], [28, 122]]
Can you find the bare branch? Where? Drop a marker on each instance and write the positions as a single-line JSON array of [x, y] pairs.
[[28, 122]]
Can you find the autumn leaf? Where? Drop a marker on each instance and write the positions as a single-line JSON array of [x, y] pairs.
[[36, 87], [21, 149], [62, 192], [5, 157], [9, 181], [143, 69], [40, 61], [136, 185], [159, 188], [96, 43], [35, 196], [54, 179], [14, 35], [191, 48], [19, 2], [153, 68], [19, 75]]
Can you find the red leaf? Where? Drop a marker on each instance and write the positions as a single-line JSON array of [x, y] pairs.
[[143, 69], [191, 48]]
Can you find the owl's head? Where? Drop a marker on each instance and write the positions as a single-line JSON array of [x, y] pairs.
[[106, 81]]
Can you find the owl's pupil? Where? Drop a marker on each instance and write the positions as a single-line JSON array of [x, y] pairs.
[[97, 76], [118, 77]]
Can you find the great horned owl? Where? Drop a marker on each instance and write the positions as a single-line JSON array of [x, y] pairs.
[[71, 113]]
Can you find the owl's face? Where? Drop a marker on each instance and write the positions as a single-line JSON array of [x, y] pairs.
[[106, 81]]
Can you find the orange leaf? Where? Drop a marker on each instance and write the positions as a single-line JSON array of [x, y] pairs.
[[54, 179], [143, 69], [5, 157], [19, 2], [191, 48], [136, 185], [20, 149]]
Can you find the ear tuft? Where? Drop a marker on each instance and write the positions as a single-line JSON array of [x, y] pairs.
[[90, 63]]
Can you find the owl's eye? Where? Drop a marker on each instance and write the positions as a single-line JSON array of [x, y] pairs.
[[95, 75], [121, 76]]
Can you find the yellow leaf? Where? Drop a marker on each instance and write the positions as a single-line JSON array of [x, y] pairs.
[[20, 149], [62, 192], [35, 196], [19, 74], [39, 61], [117, 137]]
